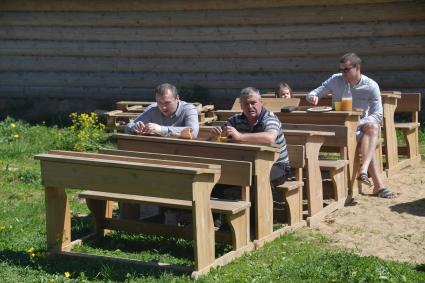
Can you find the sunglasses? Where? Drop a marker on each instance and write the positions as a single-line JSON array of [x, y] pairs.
[[346, 70]]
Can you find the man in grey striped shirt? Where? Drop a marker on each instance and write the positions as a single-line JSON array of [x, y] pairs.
[[257, 125]]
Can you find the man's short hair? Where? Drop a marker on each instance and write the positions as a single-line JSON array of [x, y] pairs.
[[162, 89], [250, 91], [352, 57]]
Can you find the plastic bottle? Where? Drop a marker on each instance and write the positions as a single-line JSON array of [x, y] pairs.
[[347, 99]]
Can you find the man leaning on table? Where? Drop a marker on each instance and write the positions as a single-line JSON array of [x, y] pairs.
[[367, 96], [257, 125], [167, 117]]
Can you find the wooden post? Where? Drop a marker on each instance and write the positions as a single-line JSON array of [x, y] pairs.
[[203, 232], [58, 220]]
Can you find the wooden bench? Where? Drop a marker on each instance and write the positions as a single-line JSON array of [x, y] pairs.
[[336, 170], [235, 211], [289, 188], [237, 173], [147, 180], [410, 103], [338, 144], [292, 189]]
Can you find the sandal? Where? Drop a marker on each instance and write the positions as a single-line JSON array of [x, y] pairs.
[[364, 178], [385, 193]]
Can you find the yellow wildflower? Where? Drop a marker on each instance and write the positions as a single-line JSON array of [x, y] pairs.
[[66, 274], [16, 136], [13, 125], [31, 250], [32, 255]]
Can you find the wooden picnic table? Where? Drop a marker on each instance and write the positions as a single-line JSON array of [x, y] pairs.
[[124, 175], [261, 156], [348, 119], [389, 105]]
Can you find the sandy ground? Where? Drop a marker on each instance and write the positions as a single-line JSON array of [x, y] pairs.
[[388, 228]]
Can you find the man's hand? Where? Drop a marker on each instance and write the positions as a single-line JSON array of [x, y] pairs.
[[313, 99], [138, 128], [215, 133], [231, 132], [152, 129]]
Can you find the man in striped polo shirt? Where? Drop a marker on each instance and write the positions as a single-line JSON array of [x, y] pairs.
[[257, 125]]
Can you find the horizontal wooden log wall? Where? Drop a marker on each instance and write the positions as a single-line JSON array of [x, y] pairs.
[[114, 50]]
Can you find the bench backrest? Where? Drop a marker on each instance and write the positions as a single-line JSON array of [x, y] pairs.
[[114, 174], [296, 155], [270, 103], [409, 102], [236, 173]]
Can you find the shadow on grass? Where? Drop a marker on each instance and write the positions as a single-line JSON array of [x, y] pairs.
[[416, 207], [92, 268], [420, 267], [136, 243]]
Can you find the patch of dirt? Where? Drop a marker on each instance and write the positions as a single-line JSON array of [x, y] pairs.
[[388, 228]]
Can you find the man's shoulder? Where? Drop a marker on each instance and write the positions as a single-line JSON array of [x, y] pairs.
[[270, 119], [270, 115], [187, 107], [370, 82]]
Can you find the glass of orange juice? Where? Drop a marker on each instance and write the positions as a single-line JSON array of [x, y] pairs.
[[346, 104]]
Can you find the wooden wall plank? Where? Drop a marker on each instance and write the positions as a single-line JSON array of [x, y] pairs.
[[114, 93], [208, 65], [261, 49], [397, 79], [193, 34], [164, 5], [398, 11]]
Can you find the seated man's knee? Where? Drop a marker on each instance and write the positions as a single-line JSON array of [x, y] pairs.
[[371, 129]]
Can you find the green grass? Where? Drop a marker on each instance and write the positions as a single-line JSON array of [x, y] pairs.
[[296, 257]]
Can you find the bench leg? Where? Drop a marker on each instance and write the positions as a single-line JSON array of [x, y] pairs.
[[294, 205], [239, 223], [379, 159], [203, 225], [101, 209], [338, 180], [412, 143], [58, 220]]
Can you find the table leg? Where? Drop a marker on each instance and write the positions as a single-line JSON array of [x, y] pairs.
[[58, 219], [263, 199], [203, 230], [314, 177], [353, 159], [391, 150]]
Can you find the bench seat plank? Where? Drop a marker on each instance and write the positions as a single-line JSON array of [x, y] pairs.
[[332, 164], [218, 206], [407, 126]]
